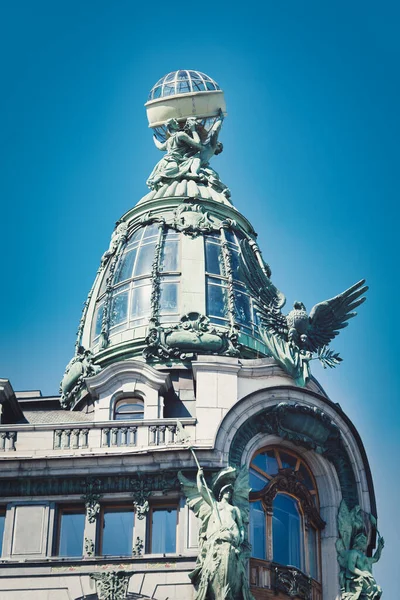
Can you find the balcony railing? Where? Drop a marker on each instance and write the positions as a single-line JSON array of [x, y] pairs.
[[288, 581], [41, 440]]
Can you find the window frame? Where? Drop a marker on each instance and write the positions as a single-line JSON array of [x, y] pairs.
[[307, 521], [63, 509], [129, 400], [120, 507], [149, 528]]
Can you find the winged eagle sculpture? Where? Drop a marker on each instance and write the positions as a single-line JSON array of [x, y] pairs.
[[294, 339]]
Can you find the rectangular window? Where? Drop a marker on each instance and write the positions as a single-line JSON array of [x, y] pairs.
[[2, 523], [163, 530], [117, 531], [71, 531]]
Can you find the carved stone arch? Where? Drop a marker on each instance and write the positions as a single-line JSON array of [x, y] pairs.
[[309, 421]]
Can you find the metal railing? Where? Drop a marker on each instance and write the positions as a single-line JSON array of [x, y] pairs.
[[281, 579]]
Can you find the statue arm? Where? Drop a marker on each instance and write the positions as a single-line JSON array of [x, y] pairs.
[[239, 521], [352, 565], [201, 488]]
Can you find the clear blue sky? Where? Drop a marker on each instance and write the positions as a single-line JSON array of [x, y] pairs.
[[311, 156]]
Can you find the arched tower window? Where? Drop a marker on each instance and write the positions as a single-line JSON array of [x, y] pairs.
[[285, 522], [129, 409]]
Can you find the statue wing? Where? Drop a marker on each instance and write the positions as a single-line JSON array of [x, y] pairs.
[[241, 490], [274, 322], [257, 277], [195, 500], [327, 318], [345, 527]]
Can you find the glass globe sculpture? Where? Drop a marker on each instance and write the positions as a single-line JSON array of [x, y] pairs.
[[182, 94]]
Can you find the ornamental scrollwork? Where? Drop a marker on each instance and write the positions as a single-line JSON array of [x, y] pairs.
[[92, 498], [193, 334], [292, 582], [112, 585], [79, 367]]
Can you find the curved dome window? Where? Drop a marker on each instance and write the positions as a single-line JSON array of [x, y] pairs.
[[182, 82], [281, 530], [223, 270], [129, 409], [149, 249]]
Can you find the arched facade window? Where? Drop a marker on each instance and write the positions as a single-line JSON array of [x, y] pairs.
[[129, 409], [285, 522]]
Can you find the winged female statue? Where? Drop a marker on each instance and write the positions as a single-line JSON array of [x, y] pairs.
[[356, 579], [221, 568]]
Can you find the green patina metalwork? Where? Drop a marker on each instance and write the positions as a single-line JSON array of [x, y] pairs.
[[92, 489], [221, 568], [297, 338], [309, 427], [356, 579], [187, 156]]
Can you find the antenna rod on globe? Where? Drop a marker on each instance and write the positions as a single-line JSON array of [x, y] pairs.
[[184, 438]]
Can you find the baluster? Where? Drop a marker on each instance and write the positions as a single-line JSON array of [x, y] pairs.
[[106, 432], [3, 436], [84, 437], [12, 436], [153, 435], [75, 438], [161, 434], [124, 433], [57, 439], [67, 438], [114, 436], [172, 432], [132, 435]]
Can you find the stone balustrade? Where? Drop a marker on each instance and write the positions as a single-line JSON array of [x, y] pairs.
[[45, 440]]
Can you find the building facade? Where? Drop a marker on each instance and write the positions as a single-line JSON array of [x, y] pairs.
[[185, 360]]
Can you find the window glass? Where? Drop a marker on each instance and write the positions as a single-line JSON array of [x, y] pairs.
[[216, 300], [72, 527], [132, 410], [136, 237], [286, 532], [119, 309], [214, 263], [169, 297], [170, 254], [151, 230], [145, 259], [140, 306], [2, 523], [288, 460], [230, 237], [117, 532], [242, 307], [256, 481], [163, 530], [99, 318], [235, 264], [266, 461], [257, 530], [126, 266]]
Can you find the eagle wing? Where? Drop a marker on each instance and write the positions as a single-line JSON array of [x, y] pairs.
[[274, 321], [257, 278], [328, 317]]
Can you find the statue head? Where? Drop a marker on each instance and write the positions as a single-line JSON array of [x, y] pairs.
[[226, 492], [191, 123], [218, 148], [299, 306], [360, 542], [172, 125]]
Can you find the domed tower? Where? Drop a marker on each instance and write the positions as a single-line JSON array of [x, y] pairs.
[[195, 383]]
